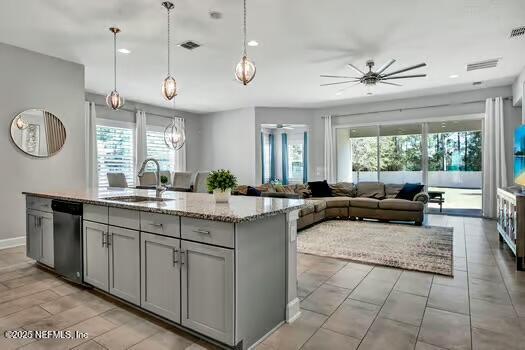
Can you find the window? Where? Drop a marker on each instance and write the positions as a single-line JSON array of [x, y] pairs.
[[295, 158], [115, 151], [156, 148], [267, 157]]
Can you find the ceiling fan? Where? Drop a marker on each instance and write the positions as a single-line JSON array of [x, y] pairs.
[[280, 126], [372, 78]]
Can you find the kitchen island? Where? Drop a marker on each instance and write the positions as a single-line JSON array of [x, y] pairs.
[[223, 271]]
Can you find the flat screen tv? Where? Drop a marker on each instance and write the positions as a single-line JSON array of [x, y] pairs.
[[519, 156]]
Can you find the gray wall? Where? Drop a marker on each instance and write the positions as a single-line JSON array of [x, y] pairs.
[[228, 141], [31, 80], [192, 120]]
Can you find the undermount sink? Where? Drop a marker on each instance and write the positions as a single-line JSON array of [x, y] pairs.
[[136, 199]]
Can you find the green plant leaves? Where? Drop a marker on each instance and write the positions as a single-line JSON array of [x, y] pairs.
[[221, 179]]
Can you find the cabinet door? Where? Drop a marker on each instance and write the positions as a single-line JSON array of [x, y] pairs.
[[208, 290], [96, 260], [46, 226], [124, 264], [160, 277], [33, 235]]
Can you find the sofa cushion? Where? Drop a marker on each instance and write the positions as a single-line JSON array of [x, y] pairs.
[[309, 209], [320, 189], [409, 191], [319, 205], [337, 202], [401, 204], [303, 190], [391, 190], [343, 189], [371, 190], [364, 202], [253, 192]]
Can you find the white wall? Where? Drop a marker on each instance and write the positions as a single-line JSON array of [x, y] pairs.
[[518, 89], [228, 142], [31, 80], [192, 120]]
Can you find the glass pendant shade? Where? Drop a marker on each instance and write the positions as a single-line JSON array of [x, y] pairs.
[[245, 70], [169, 88], [114, 100], [174, 136]]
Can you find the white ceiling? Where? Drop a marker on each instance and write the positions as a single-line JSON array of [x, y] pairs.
[[299, 39]]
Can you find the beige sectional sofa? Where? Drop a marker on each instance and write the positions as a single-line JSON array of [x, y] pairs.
[[370, 200]]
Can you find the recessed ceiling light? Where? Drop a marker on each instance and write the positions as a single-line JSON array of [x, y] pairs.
[[124, 51], [253, 43], [453, 76]]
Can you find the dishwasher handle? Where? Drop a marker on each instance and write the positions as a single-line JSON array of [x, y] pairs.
[[73, 208]]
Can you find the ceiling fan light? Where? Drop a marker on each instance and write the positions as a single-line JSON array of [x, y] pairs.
[[245, 70], [169, 88], [114, 100]]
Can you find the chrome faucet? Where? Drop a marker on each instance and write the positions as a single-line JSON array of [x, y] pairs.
[[159, 188]]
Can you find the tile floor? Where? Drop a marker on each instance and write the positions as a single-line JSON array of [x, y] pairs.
[[345, 305]]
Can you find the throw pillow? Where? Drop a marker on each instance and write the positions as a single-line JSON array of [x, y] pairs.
[[320, 189], [409, 191], [253, 192]]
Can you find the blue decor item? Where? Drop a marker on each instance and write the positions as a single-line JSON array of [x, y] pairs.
[[305, 158], [262, 158], [284, 157], [272, 157]]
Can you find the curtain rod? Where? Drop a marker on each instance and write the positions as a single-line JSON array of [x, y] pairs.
[[411, 108], [135, 110]]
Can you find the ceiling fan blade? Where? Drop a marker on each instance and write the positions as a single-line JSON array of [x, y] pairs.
[[406, 76], [346, 88], [356, 69], [405, 69], [385, 66], [337, 76], [287, 128], [341, 82], [388, 83]]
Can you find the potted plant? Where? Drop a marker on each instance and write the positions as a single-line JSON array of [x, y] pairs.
[[221, 182], [164, 180]]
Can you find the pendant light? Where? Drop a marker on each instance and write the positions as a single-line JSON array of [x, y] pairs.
[[169, 86], [174, 134], [245, 70], [113, 99]]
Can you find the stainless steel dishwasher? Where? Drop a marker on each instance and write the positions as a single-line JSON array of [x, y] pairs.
[[67, 239]]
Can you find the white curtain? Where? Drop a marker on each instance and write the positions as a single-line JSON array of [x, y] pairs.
[[494, 164], [329, 164], [141, 150], [90, 144], [180, 156]]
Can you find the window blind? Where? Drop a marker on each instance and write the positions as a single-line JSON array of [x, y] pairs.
[[156, 148], [115, 153]]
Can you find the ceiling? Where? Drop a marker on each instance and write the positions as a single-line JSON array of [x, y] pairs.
[[299, 39]]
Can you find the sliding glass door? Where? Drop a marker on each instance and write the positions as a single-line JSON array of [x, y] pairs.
[[444, 155], [400, 154]]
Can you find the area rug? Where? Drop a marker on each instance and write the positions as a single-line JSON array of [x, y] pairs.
[[419, 248]]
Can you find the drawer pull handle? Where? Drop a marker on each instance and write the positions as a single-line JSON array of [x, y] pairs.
[[109, 239], [103, 239], [182, 257], [156, 225], [174, 257], [204, 232]]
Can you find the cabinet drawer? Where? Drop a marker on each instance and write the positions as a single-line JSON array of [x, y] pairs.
[[168, 225], [206, 231], [124, 218], [96, 213], [37, 203]]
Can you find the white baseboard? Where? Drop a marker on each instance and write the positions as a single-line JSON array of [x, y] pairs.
[[12, 242]]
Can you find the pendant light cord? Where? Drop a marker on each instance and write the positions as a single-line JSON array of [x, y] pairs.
[[115, 60], [244, 29], [169, 40]]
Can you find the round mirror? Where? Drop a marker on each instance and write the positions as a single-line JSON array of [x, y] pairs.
[[38, 133]]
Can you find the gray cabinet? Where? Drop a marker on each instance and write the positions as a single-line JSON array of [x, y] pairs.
[[160, 275], [208, 290], [39, 236], [124, 263], [96, 262], [33, 235]]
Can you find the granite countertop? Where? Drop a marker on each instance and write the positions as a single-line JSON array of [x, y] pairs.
[[194, 205]]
